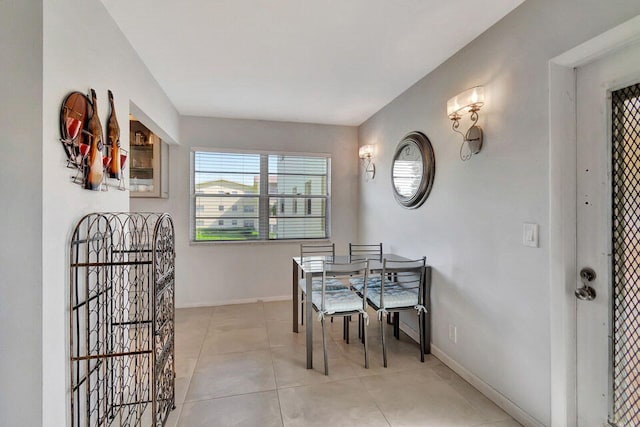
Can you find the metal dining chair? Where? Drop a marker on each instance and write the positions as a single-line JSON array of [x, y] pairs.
[[401, 291], [310, 250], [360, 252], [342, 302]]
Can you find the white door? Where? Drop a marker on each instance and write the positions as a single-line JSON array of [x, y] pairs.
[[608, 109]]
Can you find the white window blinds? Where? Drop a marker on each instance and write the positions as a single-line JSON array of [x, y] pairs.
[[259, 196]]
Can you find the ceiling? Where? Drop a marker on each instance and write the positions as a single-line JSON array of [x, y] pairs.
[[331, 61]]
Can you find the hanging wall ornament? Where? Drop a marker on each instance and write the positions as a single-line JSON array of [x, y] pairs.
[[94, 167], [74, 114], [113, 139]]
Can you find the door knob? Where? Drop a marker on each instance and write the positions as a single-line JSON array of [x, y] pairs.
[[586, 292]]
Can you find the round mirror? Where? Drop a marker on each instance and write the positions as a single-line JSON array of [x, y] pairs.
[[413, 169]]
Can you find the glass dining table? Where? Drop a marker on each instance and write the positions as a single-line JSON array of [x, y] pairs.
[[312, 267]]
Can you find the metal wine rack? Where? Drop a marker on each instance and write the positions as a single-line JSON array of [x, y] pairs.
[[122, 285]]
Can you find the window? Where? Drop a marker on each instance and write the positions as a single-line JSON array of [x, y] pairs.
[[259, 191]]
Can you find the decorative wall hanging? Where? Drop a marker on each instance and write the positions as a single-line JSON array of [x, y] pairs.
[[83, 142], [94, 172], [74, 114], [413, 170], [117, 155]]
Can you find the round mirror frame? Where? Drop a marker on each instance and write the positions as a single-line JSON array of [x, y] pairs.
[[428, 158]]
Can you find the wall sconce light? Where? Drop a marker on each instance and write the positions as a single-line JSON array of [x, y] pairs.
[[366, 155], [469, 101]]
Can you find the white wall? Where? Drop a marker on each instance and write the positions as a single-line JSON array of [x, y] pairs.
[[20, 213], [484, 281], [210, 274], [83, 48]]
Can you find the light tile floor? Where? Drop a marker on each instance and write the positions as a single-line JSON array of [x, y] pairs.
[[241, 365]]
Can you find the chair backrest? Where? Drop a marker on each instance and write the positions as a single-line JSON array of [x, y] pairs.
[[410, 274], [344, 271], [365, 251], [317, 249]]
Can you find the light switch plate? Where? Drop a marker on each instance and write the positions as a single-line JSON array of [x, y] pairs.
[[530, 235]]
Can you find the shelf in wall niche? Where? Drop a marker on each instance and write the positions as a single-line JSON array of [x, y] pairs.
[[147, 177], [146, 147]]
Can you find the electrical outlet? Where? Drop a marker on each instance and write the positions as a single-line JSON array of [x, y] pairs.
[[453, 334]]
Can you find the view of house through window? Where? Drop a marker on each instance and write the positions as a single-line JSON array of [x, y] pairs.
[[255, 196]]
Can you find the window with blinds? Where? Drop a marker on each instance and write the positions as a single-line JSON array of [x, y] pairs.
[[259, 196]]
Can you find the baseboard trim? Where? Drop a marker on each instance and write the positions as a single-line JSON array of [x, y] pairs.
[[412, 333], [492, 394], [489, 392], [236, 301]]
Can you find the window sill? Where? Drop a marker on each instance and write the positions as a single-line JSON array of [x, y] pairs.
[[256, 242]]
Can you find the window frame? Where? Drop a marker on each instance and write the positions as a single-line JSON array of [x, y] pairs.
[[263, 214]]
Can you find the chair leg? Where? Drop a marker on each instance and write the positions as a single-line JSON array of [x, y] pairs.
[[346, 325], [344, 328], [366, 343], [324, 347], [384, 345], [396, 325], [420, 320]]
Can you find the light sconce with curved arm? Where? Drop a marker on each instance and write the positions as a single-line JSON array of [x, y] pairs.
[[366, 155], [469, 101]]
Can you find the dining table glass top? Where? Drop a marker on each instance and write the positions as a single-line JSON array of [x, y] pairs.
[[314, 263]]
